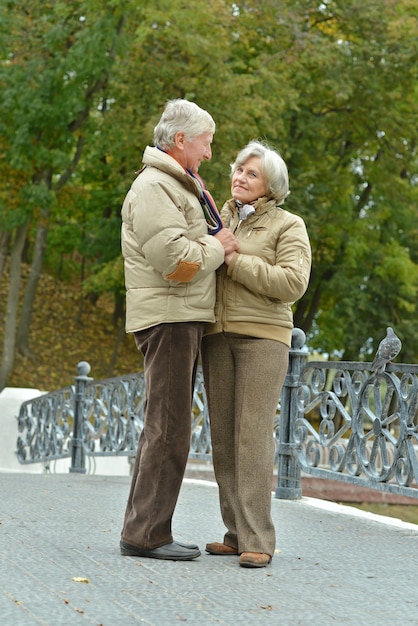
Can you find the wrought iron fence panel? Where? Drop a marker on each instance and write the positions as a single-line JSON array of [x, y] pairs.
[[357, 426], [46, 424], [113, 415], [200, 445], [112, 418]]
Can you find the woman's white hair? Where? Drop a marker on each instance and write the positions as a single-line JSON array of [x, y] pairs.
[[182, 116], [273, 168]]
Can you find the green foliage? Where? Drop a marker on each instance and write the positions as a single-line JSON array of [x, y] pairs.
[[332, 86], [109, 278]]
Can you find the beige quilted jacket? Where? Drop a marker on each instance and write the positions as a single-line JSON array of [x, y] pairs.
[[256, 291], [170, 260]]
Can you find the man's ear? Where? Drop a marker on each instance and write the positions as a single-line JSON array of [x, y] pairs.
[[179, 139]]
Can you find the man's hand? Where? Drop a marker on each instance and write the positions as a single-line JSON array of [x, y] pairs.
[[228, 240]]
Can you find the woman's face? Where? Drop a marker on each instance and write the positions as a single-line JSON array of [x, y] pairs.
[[248, 182]]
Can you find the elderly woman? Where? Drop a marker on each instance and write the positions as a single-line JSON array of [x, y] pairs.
[[245, 352]]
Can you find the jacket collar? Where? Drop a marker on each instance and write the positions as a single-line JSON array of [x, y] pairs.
[[154, 157], [261, 205]]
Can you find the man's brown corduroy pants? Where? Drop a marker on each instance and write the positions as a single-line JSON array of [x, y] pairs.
[[170, 359]]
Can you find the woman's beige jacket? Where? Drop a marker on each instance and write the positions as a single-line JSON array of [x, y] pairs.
[[256, 291], [170, 260]]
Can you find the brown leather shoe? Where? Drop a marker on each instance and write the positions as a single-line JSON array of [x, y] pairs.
[[254, 559], [221, 549]]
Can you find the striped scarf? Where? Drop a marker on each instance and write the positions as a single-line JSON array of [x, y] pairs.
[[210, 210]]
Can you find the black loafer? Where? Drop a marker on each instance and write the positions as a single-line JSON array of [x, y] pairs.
[[170, 552]]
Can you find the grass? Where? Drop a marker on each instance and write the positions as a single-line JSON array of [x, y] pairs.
[[404, 512]]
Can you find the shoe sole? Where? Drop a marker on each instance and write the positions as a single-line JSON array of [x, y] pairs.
[[247, 564]]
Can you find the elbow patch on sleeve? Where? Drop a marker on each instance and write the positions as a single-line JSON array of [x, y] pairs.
[[184, 272]]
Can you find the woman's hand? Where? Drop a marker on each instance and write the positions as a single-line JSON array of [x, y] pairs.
[[228, 257]]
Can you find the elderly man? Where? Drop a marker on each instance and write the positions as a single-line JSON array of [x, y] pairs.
[[172, 243]]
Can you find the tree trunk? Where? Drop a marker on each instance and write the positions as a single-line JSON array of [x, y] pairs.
[[118, 340], [23, 331], [10, 322], [118, 319], [81, 301], [5, 238]]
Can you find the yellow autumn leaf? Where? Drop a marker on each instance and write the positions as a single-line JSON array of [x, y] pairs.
[[80, 579]]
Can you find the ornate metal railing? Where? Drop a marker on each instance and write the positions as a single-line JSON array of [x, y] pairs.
[[98, 419], [341, 421], [336, 420]]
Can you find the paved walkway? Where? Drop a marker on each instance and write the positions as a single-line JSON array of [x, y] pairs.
[[60, 562]]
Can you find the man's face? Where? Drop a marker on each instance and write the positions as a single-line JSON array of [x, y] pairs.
[[196, 151]]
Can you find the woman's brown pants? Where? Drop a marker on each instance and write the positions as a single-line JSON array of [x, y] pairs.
[[243, 379]]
